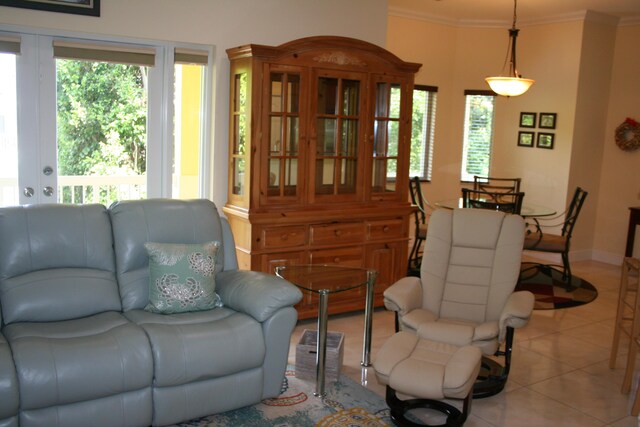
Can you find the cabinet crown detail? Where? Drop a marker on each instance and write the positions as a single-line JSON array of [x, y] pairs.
[[340, 58]]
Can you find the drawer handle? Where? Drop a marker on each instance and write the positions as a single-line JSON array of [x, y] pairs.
[[338, 233], [385, 228], [284, 237], [336, 260]]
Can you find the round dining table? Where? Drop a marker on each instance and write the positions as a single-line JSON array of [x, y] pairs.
[[528, 209]]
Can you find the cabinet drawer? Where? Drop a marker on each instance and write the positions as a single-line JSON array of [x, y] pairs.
[[385, 229], [352, 256], [352, 232], [283, 237]]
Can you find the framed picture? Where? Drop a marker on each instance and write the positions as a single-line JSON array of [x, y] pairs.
[[547, 121], [545, 140], [525, 139], [79, 7], [527, 120]]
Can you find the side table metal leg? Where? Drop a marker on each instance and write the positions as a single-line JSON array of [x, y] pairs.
[[321, 348], [368, 318]]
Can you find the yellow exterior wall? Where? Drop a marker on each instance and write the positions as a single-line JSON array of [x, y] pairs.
[[190, 131]]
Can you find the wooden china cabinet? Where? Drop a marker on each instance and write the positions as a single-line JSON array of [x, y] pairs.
[[320, 133]]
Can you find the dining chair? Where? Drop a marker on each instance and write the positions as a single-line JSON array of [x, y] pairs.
[[421, 215], [508, 202], [496, 185], [538, 240]]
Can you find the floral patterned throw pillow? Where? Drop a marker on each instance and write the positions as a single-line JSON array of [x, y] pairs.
[[182, 277]]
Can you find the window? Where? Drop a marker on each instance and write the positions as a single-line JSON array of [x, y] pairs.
[[478, 133], [100, 120], [422, 131]]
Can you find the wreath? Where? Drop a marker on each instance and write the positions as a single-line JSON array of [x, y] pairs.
[[628, 135]]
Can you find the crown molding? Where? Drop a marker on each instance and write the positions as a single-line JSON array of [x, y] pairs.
[[583, 15]]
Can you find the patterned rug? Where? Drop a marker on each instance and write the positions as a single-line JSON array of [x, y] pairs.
[[347, 403], [550, 290]]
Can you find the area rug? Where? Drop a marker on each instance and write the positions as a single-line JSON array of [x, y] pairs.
[[550, 291], [347, 403]]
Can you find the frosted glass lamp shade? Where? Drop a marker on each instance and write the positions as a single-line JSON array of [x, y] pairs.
[[509, 86]]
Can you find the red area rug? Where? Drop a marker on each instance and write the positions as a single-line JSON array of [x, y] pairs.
[[550, 291]]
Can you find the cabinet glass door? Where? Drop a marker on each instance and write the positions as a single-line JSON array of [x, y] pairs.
[[338, 120], [284, 135], [386, 137], [240, 137]]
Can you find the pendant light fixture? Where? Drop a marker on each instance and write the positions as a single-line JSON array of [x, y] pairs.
[[513, 84]]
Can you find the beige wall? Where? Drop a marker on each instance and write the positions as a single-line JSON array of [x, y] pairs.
[[223, 24], [579, 76], [620, 173]]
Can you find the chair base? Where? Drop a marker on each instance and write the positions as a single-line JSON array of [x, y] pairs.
[[567, 277], [491, 379], [399, 409]]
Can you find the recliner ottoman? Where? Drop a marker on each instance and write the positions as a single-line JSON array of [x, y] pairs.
[[425, 372]]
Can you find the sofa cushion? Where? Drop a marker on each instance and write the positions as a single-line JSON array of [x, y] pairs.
[[136, 222], [59, 363], [201, 345], [8, 383], [182, 277], [59, 264]]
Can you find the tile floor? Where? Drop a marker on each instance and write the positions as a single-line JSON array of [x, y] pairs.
[[560, 372]]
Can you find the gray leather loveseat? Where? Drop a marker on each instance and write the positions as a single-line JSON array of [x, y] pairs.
[[77, 346]]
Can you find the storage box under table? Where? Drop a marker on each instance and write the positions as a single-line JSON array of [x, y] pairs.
[[306, 355]]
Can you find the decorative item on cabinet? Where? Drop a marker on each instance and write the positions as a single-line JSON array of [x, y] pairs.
[[320, 133]]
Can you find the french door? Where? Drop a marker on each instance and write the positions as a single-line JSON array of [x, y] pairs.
[[82, 121]]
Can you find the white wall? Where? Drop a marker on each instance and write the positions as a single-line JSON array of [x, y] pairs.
[[223, 24]]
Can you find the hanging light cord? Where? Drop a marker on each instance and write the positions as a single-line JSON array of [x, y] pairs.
[[513, 34]]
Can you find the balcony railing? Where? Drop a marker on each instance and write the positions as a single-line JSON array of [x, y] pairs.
[[101, 189], [84, 189]]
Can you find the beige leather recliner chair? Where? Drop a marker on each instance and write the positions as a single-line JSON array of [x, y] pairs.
[[465, 292]]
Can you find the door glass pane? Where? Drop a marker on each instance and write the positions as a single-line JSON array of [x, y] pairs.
[[273, 189], [349, 138], [293, 93], [392, 135], [292, 147], [8, 131], [238, 176], [325, 173], [240, 129], [275, 136], [394, 107], [351, 97], [348, 176], [188, 105], [276, 92], [327, 137], [292, 177], [101, 131], [327, 95]]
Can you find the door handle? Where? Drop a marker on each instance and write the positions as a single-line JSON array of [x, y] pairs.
[[47, 191]]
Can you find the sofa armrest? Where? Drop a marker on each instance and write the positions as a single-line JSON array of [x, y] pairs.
[[516, 312], [404, 295], [257, 294]]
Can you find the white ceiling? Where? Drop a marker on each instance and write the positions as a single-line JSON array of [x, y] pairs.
[[500, 12]]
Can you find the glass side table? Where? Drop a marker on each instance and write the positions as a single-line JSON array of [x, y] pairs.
[[325, 280]]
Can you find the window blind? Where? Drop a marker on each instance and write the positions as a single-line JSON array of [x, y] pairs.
[[422, 138], [478, 133], [190, 56], [121, 54], [9, 44]]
